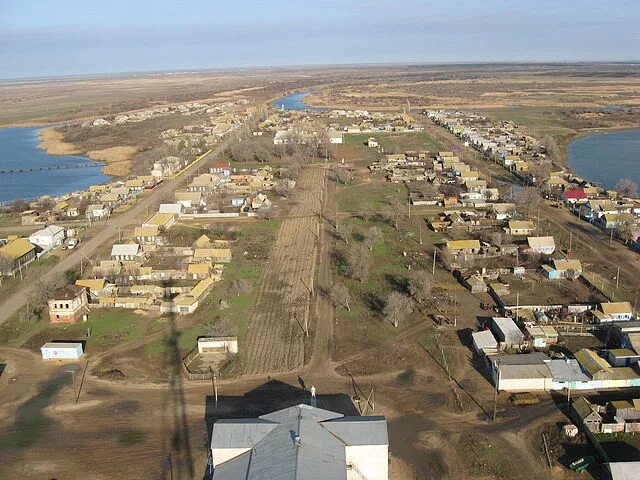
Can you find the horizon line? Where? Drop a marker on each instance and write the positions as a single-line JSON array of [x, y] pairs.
[[312, 65]]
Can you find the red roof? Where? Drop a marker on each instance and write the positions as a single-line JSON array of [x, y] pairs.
[[220, 165], [575, 194]]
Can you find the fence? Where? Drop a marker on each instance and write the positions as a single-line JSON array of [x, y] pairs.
[[195, 376]]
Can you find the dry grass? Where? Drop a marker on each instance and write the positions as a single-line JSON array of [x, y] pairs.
[[51, 140], [118, 159]]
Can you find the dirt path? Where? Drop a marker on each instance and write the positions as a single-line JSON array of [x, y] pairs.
[[278, 330], [323, 339]]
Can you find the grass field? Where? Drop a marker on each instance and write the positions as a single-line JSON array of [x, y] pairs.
[[370, 196], [395, 142]]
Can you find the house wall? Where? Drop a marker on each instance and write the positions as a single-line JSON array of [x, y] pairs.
[[231, 345], [62, 353], [221, 455], [371, 460]]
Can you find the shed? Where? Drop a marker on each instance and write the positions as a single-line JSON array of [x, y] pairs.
[[484, 342], [217, 344], [622, 357], [507, 332], [62, 350], [585, 413]]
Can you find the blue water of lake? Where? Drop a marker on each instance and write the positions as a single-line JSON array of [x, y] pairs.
[[295, 101], [19, 150], [605, 158]]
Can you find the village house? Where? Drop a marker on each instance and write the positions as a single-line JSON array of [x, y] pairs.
[[48, 238], [466, 247], [216, 255], [542, 245], [160, 220], [149, 235], [616, 311], [15, 255], [596, 367], [563, 268], [68, 305], [97, 211], [126, 251], [520, 227], [95, 286]]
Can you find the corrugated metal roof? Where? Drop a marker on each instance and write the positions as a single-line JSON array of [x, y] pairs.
[[484, 339], [624, 470], [277, 455], [567, 371]]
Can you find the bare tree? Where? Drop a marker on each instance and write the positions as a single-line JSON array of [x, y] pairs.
[[343, 232], [42, 292], [19, 205], [6, 267], [528, 198], [341, 174], [420, 286], [391, 212], [360, 263], [397, 308], [551, 147], [627, 187], [340, 295], [265, 212], [374, 235], [625, 231]]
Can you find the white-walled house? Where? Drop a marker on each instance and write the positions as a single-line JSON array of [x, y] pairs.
[[301, 442], [48, 238]]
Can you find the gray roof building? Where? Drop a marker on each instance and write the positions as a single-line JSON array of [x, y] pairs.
[[300, 443]]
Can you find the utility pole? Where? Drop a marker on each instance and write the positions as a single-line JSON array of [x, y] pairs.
[[570, 241], [495, 394], [420, 231], [618, 277], [433, 271], [455, 309]]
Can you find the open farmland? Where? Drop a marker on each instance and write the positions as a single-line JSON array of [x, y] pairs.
[[275, 340]]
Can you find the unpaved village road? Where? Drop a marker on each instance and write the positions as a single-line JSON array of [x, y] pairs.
[[103, 233]]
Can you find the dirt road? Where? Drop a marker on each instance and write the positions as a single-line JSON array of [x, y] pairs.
[[104, 233]]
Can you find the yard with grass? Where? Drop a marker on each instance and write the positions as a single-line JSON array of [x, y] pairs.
[[364, 326], [396, 142]]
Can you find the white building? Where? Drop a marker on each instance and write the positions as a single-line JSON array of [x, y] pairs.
[[301, 442], [173, 208], [484, 342], [218, 344], [507, 332], [61, 351], [48, 238]]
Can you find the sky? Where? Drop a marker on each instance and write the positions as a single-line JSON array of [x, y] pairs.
[[71, 37]]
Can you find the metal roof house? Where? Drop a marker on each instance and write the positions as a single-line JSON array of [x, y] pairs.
[[300, 442]]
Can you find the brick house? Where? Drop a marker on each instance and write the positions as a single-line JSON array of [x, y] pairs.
[[68, 305]]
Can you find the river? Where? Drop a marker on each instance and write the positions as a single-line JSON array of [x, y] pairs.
[[19, 150], [605, 158], [295, 101]]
